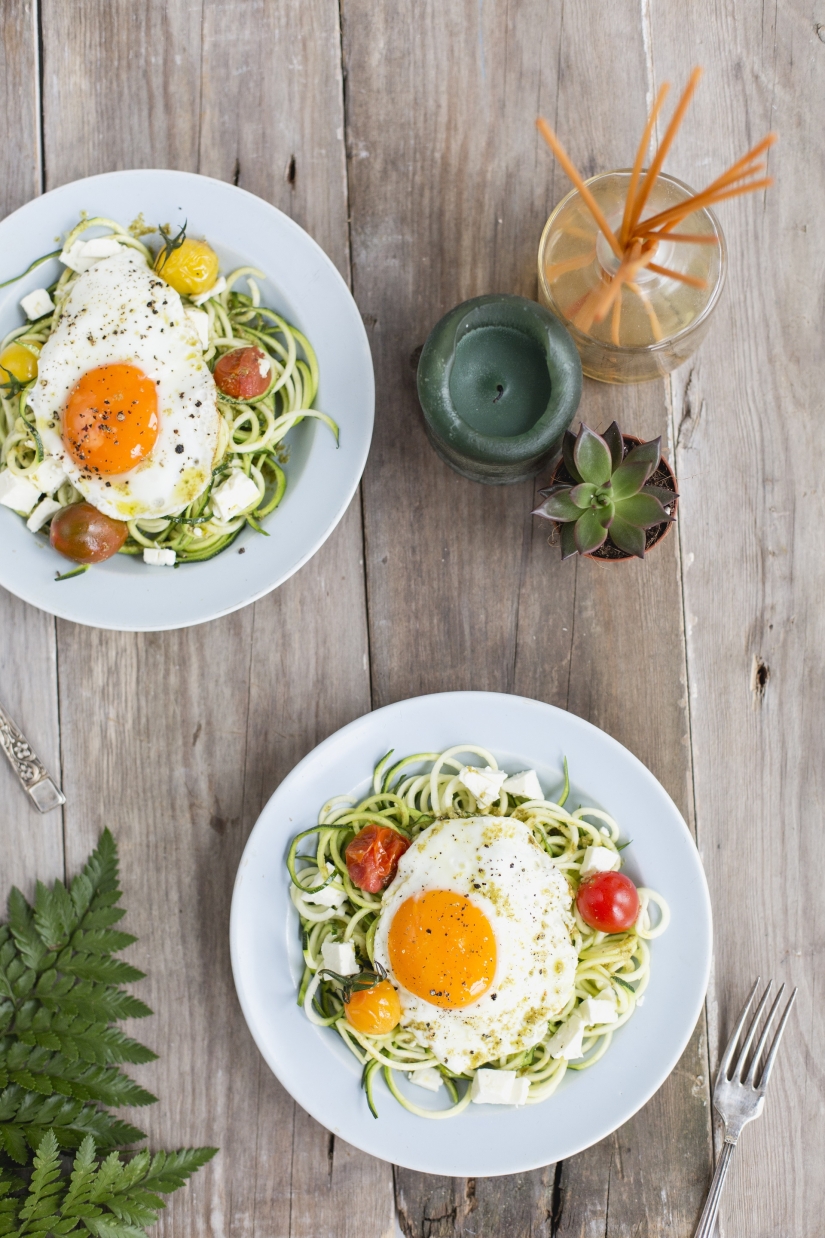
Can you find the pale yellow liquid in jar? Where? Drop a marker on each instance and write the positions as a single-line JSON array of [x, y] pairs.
[[576, 259]]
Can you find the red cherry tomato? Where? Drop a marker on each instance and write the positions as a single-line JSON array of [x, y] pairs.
[[372, 857], [243, 373], [82, 533], [608, 902]]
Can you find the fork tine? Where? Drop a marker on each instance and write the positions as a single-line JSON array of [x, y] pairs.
[[739, 1068], [766, 1073], [727, 1056], [760, 1044]]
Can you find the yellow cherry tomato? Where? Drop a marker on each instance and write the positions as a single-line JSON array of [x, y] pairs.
[[17, 361], [190, 269], [374, 1011]]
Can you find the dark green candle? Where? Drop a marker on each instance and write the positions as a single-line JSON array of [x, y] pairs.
[[499, 381]]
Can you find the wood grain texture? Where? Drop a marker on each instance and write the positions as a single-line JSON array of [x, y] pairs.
[[449, 192], [750, 455], [32, 844], [176, 740]]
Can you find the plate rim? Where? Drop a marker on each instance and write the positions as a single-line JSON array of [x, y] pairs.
[[364, 722], [60, 611]]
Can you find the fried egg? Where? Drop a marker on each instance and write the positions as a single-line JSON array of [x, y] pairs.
[[124, 401], [475, 933]]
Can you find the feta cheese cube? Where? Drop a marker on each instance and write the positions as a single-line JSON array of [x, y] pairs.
[[83, 255], [600, 860], [428, 1078], [596, 1011], [567, 1042], [18, 493], [36, 304], [526, 783], [339, 956], [485, 784], [236, 494], [44, 511], [199, 319], [218, 287], [159, 556], [499, 1087], [330, 896], [49, 475]]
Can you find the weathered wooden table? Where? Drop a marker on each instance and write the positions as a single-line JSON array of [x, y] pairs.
[[400, 134]]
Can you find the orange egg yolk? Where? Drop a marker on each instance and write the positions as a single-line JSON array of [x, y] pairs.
[[442, 948], [111, 421]]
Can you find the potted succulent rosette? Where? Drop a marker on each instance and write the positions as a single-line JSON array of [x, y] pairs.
[[612, 495]]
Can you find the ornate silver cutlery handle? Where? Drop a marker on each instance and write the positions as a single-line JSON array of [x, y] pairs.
[[32, 774]]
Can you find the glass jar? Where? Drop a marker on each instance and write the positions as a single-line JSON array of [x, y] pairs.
[[662, 320]]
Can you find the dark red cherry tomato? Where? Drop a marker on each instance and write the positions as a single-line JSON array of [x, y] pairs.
[[372, 857], [243, 373], [608, 902], [82, 533]]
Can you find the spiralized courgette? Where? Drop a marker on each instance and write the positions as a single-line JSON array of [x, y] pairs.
[[409, 795], [252, 432]]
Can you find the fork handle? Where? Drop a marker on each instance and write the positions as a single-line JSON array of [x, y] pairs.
[[708, 1218]]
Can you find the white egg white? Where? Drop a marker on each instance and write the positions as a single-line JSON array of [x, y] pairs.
[[497, 864], [120, 311]]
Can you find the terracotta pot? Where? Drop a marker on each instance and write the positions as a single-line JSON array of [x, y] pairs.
[[663, 476]]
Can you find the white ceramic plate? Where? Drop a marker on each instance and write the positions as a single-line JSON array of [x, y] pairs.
[[314, 1065], [303, 285]]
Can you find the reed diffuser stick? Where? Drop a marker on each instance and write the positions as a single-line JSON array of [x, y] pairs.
[[638, 239]]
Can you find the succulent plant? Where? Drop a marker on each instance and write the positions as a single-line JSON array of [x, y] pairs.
[[610, 495]]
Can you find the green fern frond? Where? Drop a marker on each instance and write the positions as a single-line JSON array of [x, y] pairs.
[[59, 1056], [54, 917]]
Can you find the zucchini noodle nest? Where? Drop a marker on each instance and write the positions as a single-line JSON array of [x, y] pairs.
[[408, 796], [252, 431]]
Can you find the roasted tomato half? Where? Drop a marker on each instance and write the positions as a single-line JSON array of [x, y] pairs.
[[243, 373], [372, 857]]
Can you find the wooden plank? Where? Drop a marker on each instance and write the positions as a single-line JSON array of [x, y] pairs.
[[625, 673], [32, 845], [750, 446], [449, 191], [177, 739]]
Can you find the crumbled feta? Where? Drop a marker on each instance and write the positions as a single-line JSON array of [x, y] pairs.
[[526, 783], [49, 475], [218, 287], [600, 860], [236, 494], [330, 896], [84, 254], [499, 1087], [159, 556], [596, 1011], [199, 319], [17, 493], [36, 304], [485, 784], [44, 511], [339, 956], [428, 1078], [567, 1042], [264, 366]]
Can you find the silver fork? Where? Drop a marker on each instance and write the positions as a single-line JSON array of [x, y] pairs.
[[739, 1094]]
